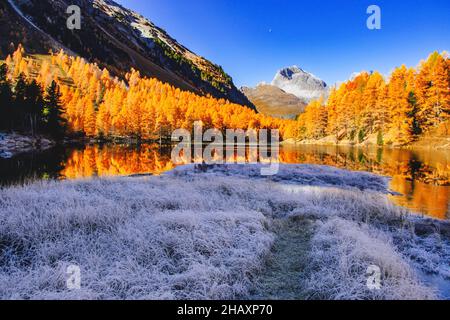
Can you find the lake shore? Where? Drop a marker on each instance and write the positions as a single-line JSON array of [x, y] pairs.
[[212, 234], [428, 143], [13, 144], [418, 179]]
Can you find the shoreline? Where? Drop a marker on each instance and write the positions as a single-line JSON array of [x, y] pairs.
[[14, 144], [416, 145]]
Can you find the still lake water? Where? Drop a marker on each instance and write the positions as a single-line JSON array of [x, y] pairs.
[[421, 177]]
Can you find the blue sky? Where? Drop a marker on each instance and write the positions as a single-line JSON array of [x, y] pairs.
[[252, 39]]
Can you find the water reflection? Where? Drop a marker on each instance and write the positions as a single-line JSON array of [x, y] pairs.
[[111, 160], [32, 166], [422, 177]]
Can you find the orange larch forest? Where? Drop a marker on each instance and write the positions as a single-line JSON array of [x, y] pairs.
[[410, 103], [99, 105]]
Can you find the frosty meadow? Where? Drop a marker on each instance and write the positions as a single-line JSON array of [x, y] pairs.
[[309, 232]]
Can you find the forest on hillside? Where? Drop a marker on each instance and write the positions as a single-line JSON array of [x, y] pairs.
[[95, 104], [398, 110], [63, 95]]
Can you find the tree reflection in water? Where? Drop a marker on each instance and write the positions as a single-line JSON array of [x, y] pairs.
[[421, 176]]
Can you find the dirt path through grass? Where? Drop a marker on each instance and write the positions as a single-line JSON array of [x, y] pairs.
[[286, 266]]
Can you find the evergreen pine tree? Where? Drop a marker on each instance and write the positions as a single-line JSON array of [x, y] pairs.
[[19, 105], [5, 98], [380, 140], [34, 105], [361, 135], [53, 112], [416, 129]]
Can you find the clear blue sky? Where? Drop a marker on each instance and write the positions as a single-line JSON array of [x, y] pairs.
[[252, 39]]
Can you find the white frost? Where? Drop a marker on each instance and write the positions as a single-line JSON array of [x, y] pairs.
[[204, 234]]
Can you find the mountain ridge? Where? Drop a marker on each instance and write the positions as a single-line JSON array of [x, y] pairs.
[[288, 94], [115, 38]]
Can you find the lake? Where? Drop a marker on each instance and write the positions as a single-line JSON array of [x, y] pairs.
[[421, 177]]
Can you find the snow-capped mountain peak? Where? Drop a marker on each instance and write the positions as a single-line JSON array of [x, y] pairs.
[[300, 83]]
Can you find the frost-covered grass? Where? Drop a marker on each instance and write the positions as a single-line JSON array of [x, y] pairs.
[[209, 234], [132, 238], [341, 253]]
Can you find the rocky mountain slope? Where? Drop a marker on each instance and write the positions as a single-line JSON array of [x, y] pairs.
[[300, 83], [291, 90], [113, 37], [273, 101]]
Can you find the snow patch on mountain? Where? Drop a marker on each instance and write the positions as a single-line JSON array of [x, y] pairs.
[[300, 83]]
